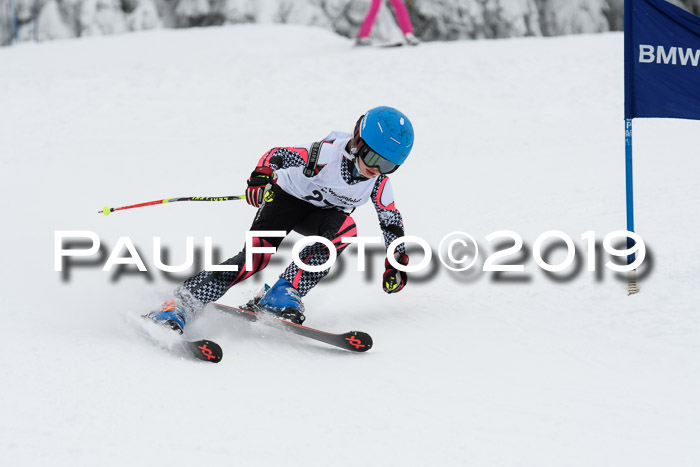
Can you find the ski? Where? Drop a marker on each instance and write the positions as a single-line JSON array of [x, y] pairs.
[[391, 44], [206, 350], [165, 337], [354, 341]]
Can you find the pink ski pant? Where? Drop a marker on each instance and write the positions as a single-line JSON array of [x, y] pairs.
[[400, 11]]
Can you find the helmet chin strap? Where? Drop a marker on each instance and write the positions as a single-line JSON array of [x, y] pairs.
[[350, 148], [355, 169]]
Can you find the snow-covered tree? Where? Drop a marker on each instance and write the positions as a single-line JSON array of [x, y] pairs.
[[50, 23], [143, 15], [693, 6], [475, 19], [574, 16], [5, 22], [100, 17], [432, 19], [239, 11], [194, 13]]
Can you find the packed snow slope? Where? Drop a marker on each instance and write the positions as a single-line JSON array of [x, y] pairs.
[[468, 368]]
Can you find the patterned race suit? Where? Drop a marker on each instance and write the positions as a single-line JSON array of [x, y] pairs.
[[318, 205]]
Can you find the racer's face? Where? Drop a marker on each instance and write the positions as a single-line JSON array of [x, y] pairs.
[[369, 172]]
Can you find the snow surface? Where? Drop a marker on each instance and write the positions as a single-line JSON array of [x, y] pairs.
[[467, 368]]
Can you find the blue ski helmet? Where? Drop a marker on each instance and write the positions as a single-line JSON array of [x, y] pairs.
[[383, 138]]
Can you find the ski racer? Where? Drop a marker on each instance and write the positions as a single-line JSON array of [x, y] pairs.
[[311, 189]]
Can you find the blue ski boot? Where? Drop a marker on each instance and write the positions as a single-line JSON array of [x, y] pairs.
[[284, 300], [175, 313], [171, 315]]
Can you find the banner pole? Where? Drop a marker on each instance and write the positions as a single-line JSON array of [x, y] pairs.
[[632, 286]]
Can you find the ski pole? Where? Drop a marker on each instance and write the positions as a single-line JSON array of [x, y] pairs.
[[107, 210]]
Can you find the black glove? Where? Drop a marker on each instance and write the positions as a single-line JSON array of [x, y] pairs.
[[260, 181], [394, 280]]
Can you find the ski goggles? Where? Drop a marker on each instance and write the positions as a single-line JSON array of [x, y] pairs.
[[375, 161]]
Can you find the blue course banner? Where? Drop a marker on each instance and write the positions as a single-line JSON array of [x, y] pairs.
[[662, 61]]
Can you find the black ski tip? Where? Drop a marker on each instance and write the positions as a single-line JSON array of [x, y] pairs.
[[206, 350], [358, 341]]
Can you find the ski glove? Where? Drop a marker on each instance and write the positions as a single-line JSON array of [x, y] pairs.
[[393, 279], [259, 183]]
